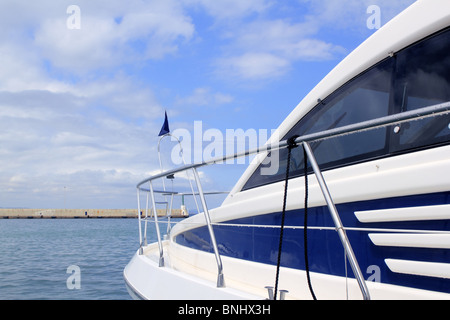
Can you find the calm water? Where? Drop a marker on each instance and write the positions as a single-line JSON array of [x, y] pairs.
[[35, 255]]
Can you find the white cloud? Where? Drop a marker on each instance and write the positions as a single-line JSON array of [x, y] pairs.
[[315, 50], [51, 138], [254, 66], [121, 95], [205, 97], [230, 9], [70, 116], [131, 33], [351, 14], [83, 50], [22, 69], [273, 35], [266, 49]]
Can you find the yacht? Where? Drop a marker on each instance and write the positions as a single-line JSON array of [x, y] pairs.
[[358, 205]]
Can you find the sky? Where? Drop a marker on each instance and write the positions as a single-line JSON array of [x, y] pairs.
[[84, 85]]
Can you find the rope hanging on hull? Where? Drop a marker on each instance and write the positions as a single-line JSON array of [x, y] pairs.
[[291, 145], [305, 229]]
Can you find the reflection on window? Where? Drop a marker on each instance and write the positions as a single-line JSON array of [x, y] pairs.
[[423, 78]]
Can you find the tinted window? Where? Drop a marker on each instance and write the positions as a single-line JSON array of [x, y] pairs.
[[416, 77], [423, 79], [364, 98]]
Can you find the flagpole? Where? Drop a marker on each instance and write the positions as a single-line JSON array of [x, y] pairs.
[[165, 132]]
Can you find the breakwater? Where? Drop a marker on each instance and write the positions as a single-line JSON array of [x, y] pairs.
[[80, 213]]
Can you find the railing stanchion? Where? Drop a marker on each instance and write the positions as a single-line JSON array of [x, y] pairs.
[[169, 215], [158, 234], [338, 223], [139, 222], [146, 220], [220, 278]]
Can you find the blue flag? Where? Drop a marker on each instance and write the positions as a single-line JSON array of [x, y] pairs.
[[165, 128]]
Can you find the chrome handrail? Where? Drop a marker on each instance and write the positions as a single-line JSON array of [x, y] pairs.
[[435, 110], [430, 111], [143, 241]]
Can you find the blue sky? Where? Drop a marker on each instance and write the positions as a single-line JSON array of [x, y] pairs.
[[82, 101]]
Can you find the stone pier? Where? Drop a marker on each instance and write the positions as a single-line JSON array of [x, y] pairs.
[[79, 213]]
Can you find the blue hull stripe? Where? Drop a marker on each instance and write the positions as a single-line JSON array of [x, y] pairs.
[[326, 254]]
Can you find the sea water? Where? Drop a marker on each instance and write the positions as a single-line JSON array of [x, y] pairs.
[[69, 259]]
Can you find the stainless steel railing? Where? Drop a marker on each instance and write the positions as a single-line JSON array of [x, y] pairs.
[[431, 111], [338, 223], [143, 235]]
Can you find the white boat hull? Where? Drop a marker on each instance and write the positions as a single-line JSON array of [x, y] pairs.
[[145, 280], [189, 275]]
